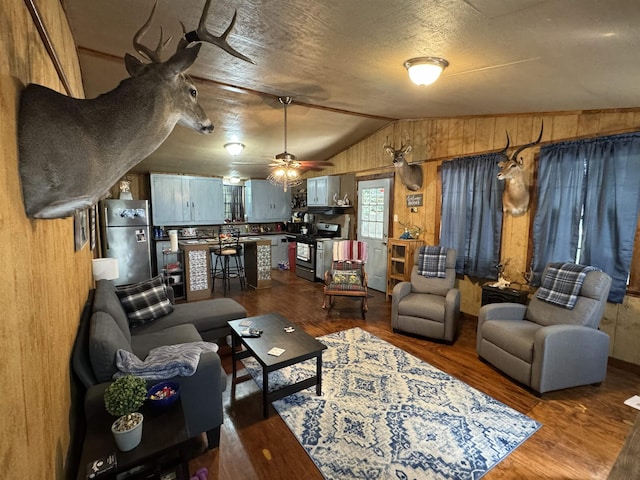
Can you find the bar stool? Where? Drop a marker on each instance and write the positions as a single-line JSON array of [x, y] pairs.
[[228, 259]]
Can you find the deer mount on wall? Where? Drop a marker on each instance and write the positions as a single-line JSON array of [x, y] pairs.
[[410, 174], [72, 150], [515, 197]]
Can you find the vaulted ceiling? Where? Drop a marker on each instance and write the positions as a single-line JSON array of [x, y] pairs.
[[341, 61]]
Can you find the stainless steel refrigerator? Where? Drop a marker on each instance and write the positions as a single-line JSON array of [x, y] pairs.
[[124, 228]]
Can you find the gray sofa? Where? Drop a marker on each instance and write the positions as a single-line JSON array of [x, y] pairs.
[[104, 329]]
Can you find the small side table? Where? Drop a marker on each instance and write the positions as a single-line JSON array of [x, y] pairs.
[[501, 295], [164, 452]]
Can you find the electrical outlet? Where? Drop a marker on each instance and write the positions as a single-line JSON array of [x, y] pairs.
[[395, 217]]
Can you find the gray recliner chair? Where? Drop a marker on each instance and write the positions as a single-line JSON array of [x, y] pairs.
[[546, 346], [429, 307]]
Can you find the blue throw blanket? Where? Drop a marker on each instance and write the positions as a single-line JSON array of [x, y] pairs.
[[432, 261], [164, 362], [562, 282]]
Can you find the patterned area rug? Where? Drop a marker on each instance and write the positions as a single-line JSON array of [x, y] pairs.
[[385, 414]]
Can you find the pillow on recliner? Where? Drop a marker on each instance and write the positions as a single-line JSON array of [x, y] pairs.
[[145, 301]]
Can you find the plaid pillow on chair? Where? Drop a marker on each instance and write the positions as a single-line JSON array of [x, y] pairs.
[[145, 301]]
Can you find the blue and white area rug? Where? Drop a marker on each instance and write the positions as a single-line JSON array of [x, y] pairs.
[[385, 414]]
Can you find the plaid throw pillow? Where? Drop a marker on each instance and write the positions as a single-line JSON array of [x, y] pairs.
[[432, 261], [145, 301]]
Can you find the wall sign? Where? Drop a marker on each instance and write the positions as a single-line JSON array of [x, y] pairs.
[[414, 200]]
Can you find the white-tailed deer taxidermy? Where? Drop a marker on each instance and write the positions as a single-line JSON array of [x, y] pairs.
[[410, 174], [515, 197], [73, 150]]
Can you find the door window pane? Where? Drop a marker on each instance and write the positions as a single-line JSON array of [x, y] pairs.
[[372, 213]]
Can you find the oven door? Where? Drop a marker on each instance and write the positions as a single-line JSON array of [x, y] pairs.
[[306, 260], [303, 252]]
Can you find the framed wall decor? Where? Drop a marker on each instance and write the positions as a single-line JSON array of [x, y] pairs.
[[92, 226], [80, 229]]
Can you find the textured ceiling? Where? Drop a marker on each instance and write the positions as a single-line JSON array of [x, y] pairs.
[[342, 63]]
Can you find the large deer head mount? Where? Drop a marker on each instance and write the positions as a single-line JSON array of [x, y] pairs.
[[515, 197], [410, 174], [72, 150]]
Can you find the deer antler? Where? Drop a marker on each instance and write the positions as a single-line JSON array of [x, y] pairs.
[[504, 150], [515, 154], [201, 34], [152, 55]]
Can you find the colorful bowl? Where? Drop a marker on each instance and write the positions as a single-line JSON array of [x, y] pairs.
[[164, 394]]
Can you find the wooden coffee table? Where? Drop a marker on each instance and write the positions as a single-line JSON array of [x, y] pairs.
[[297, 345]]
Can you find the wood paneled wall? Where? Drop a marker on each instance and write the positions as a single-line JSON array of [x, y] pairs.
[[45, 282], [439, 139]]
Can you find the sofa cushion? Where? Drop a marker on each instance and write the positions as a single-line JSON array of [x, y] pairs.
[[145, 301], [105, 339], [106, 300], [142, 344], [208, 315]]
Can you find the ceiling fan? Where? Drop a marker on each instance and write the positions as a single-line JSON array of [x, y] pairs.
[[286, 168]]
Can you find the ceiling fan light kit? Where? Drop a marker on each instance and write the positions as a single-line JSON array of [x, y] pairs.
[[234, 148], [425, 70]]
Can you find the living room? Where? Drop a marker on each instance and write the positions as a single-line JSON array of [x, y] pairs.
[[49, 281]]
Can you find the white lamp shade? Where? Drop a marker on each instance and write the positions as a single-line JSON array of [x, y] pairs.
[[425, 70], [105, 268]]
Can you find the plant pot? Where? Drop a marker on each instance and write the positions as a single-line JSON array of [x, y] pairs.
[[128, 437]]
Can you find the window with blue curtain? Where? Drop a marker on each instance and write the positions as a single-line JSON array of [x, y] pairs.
[[471, 219], [594, 183]]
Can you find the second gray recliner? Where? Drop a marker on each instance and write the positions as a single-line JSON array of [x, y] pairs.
[[429, 307]]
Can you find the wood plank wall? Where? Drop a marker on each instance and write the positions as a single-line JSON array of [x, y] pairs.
[[439, 139], [45, 282]]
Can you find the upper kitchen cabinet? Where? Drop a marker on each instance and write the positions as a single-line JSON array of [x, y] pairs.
[[320, 190], [186, 200], [266, 202]]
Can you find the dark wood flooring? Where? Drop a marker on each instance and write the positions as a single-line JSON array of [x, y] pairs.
[[583, 429]]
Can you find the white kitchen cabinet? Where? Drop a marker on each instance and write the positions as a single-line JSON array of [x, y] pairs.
[[207, 200], [265, 202], [320, 190], [186, 200]]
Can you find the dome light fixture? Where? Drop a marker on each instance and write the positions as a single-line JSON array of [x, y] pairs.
[[425, 70], [234, 148]]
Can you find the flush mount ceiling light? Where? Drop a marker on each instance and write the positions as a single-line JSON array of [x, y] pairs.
[[425, 70], [234, 148]]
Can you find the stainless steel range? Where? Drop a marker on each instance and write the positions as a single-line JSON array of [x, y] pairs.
[[307, 246]]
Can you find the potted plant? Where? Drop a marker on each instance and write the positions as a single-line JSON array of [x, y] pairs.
[[122, 399]]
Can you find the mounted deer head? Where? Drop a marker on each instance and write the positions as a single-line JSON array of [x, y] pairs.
[[410, 175], [515, 198], [72, 151]]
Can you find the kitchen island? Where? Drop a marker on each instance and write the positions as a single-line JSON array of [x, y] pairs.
[[197, 264]]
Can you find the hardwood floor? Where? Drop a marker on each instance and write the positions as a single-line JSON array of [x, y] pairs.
[[583, 429]]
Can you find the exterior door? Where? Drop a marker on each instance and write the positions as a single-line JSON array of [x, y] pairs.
[[373, 228]]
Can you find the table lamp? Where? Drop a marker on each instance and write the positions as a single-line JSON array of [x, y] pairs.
[[105, 268]]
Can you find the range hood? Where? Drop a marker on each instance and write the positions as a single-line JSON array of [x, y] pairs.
[[330, 210]]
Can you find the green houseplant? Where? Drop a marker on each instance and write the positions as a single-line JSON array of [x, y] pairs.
[[122, 399]]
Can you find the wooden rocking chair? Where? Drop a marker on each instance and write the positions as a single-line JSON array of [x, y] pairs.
[[347, 277]]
